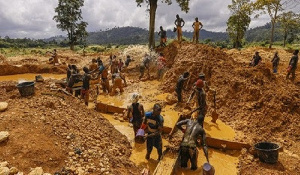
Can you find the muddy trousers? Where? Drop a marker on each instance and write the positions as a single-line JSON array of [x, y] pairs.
[[154, 141], [196, 36], [186, 154], [293, 72], [179, 33], [179, 96], [163, 42], [85, 95], [275, 69], [105, 85]]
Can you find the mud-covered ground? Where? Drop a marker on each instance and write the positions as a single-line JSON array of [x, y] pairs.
[[58, 132], [262, 105], [257, 103]]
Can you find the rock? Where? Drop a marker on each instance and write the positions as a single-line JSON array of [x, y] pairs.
[[13, 170], [37, 171], [3, 106], [171, 99], [46, 174], [4, 171], [3, 164], [3, 136]]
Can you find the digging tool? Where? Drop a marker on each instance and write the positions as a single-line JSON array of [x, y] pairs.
[[214, 115], [190, 97]]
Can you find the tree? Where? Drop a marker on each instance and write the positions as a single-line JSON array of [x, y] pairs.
[[272, 7], [184, 4], [239, 21], [289, 22], [68, 18]]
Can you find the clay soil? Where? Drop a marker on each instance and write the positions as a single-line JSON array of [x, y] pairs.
[[260, 105], [59, 134]]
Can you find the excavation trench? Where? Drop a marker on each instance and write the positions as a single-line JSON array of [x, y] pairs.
[[225, 162]]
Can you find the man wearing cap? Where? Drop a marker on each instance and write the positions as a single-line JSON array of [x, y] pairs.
[[256, 59], [153, 121], [293, 65], [180, 85], [179, 23], [200, 99], [188, 146], [135, 112]]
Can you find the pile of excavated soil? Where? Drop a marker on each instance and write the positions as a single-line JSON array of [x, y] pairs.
[[7, 69], [2, 58], [262, 105], [57, 132]]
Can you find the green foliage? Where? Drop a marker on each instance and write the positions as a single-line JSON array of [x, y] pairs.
[[272, 8], [289, 22], [184, 5], [239, 21], [68, 18]]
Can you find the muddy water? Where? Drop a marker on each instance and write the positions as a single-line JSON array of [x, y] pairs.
[[139, 150], [30, 77], [224, 163]]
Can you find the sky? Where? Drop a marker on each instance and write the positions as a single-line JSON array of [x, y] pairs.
[[34, 18]]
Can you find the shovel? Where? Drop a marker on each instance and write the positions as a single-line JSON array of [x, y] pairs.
[[214, 115]]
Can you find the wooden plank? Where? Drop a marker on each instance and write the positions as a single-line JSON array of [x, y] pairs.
[[114, 109], [101, 107], [225, 144], [167, 165]]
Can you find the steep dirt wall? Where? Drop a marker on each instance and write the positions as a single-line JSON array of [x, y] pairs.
[[262, 105], [7, 69]]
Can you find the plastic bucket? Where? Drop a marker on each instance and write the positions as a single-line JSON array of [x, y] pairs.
[[208, 169], [267, 152], [139, 138], [26, 88]]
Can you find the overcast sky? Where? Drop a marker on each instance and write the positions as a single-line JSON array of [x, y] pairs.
[[34, 18]]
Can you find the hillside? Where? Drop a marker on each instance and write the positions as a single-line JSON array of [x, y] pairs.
[[135, 35]]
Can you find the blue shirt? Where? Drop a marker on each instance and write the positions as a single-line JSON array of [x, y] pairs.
[[154, 122]]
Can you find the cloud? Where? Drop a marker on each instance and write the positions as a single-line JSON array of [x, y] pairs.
[[34, 18]]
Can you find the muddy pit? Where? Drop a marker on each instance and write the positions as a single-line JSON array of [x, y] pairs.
[[224, 162], [254, 105]]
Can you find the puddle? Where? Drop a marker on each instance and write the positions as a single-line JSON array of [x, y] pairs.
[[218, 130], [30, 77], [224, 164]]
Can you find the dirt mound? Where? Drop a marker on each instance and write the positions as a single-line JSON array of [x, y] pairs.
[[262, 105], [7, 69], [2, 58], [57, 131]]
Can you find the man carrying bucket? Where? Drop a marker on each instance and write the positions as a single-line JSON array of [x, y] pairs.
[[135, 113], [188, 146], [153, 121]]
